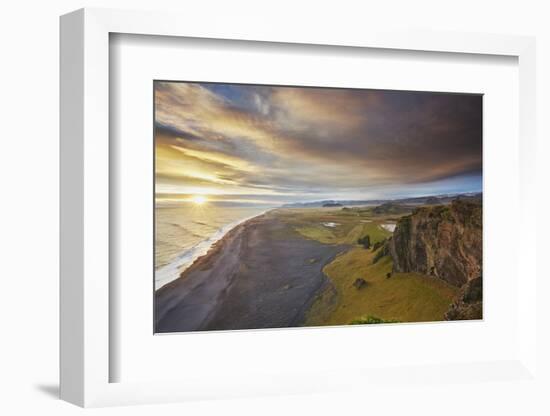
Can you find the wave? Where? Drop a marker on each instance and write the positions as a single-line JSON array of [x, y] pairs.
[[173, 270], [181, 227], [204, 224]]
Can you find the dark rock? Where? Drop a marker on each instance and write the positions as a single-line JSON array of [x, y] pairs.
[[469, 302], [364, 241], [382, 252], [472, 291], [378, 244], [360, 283]]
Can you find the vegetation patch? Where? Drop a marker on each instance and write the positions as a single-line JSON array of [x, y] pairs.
[[371, 320], [405, 297], [311, 224]]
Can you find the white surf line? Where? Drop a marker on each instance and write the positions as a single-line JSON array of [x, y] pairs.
[[186, 258]]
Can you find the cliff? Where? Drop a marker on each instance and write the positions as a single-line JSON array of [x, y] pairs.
[[469, 302], [443, 240]]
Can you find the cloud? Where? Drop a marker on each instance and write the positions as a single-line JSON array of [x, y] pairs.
[[300, 141]]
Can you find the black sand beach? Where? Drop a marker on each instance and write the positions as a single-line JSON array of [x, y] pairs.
[[262, 274]]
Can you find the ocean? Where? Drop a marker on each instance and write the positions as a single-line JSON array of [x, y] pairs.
[[186, 231]]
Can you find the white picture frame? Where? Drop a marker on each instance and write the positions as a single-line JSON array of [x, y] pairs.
[[85, 211]]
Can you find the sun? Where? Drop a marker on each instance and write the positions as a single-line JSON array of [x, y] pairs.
[[198, 199]]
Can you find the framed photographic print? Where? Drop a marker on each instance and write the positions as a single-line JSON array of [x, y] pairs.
[[269, 212], [287, 206]]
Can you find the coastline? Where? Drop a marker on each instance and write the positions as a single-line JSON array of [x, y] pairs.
[[183, 261], [250, 278], [286, 268]]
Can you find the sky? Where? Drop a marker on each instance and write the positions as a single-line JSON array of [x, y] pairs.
[[255, 144]]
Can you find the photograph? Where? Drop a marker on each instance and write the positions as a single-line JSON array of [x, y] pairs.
[[296, 206]]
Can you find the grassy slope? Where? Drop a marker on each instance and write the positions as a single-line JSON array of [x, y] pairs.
[[405, 297]]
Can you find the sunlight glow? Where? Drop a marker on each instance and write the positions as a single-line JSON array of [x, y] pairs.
[[198, 199]]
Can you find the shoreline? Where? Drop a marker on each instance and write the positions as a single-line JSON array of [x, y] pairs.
[[250, 278], [181, 291], [173, 270]]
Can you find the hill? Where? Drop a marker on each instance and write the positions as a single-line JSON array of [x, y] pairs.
[[392, 208], [414, 201]]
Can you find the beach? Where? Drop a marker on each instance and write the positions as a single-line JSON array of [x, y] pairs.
[[185, 232], [287, 268], [261, 274]]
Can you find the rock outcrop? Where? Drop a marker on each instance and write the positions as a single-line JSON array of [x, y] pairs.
[[469, 302], [383, 251], [443, 241], [360, 283]]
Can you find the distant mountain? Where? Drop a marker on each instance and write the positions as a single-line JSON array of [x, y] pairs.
[[433, 200], [392, 208], [318, 204], [332, 205], [421, 200]]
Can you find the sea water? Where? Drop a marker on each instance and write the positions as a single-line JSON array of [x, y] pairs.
[[186, 231]]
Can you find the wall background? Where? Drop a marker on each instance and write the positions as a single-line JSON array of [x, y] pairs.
[[29, 207]]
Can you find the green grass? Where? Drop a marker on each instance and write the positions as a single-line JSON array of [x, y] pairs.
[[405, 297], [351, 227], [370, 320]]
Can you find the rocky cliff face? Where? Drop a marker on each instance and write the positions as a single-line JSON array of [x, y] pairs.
[[469, 302], [443, 240]]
